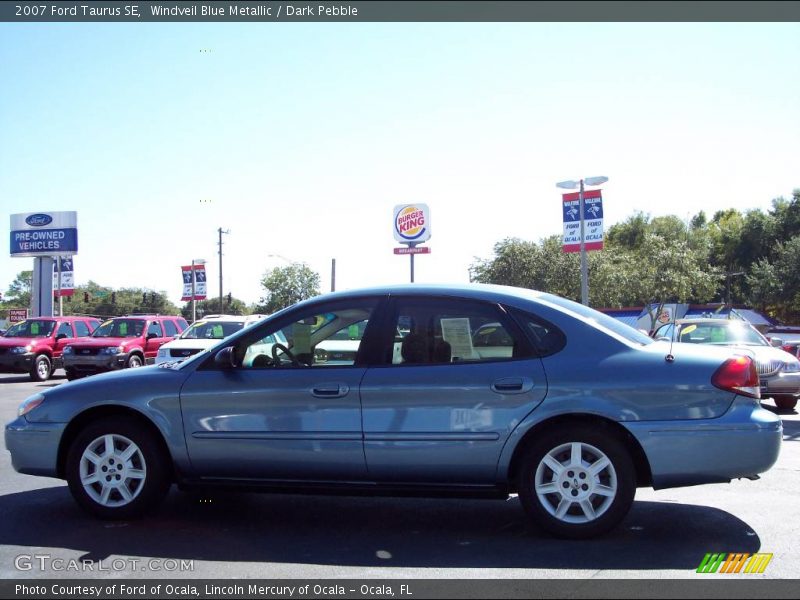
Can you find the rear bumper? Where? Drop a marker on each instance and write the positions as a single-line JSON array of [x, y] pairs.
[[34, 446], [744, 442]]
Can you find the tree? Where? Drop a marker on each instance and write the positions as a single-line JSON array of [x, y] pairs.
[[288, 285], [95, 299], [210, 306], [18, 294]]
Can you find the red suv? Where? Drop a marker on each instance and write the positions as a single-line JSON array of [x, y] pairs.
[[121, 342], [35, 345]]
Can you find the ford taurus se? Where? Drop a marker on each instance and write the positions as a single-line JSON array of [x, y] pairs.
[[470, 391]]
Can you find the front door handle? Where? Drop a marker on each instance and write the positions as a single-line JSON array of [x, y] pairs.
[[330, 390], [512, 385]]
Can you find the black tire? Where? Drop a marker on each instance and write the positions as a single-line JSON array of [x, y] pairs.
[[785, 402], [134, 361], [42, 368], [71, 374], [144, 476], [577, 489]]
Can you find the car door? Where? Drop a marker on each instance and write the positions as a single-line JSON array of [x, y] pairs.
[[279, 414], [64, 335], [154, 338], [442, 410]]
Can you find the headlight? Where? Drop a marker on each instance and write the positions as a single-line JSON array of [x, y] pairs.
[[791, 366], [68, 350], [112, 350], [29, 404], [20, 350]]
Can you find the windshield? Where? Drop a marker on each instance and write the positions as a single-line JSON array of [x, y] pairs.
[[31, 329], [724, 333], [211, 330], [120, 328], [618, 327]]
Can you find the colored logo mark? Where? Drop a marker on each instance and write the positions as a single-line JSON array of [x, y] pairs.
[[410, 223], [39, 220], [734, 563]]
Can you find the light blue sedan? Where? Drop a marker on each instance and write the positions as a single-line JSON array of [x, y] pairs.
[[561, 404]]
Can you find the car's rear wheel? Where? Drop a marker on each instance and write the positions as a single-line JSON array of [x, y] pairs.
[[785, 402], [577, 482], [42, 368], [116, 470]]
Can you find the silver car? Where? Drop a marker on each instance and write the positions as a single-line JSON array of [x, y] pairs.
[[478, 391], [778, 371]]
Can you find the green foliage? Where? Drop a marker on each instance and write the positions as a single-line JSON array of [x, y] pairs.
[[18, 294], [211, 306], [288, 285], [107, 302]]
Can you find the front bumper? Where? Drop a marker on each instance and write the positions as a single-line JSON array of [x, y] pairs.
[[16, 363], [97, 363], [34, 446], [743, 442], [782, 384]]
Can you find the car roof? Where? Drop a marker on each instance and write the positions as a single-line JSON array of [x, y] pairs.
[[478, 291]]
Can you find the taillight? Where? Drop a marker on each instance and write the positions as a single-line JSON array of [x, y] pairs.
[[790, 349], [738, 375]]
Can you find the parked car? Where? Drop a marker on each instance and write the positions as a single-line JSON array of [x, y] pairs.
[[34, 346], [787, 337], [203, 334], [119, 343], [778, 372], [578, 412]]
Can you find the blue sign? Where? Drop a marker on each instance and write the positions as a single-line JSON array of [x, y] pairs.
[[44, 242], [44, 234]]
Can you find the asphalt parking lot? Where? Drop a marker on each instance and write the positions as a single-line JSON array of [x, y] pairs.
[[220, 535]]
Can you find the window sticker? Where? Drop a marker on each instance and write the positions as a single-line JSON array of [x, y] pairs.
[[218, 332], [456, 332], [687, 330], [123, 328], [353, 332], [718, 334], [34, 328]]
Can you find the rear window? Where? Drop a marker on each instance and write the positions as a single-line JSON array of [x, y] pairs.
[[610, 323]]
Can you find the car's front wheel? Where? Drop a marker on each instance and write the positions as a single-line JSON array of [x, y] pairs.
[[42, 368], [785, 402], [577, 482], [116, 470], [134, 361]]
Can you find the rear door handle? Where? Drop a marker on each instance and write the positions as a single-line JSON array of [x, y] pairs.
[[512, 385], [330, 390]]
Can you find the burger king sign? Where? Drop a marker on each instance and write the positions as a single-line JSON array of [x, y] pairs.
[[412, 223]]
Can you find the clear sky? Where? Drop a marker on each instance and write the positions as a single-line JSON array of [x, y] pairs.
[[300, 138]]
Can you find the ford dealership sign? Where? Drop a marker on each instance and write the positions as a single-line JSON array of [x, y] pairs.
[[44, 234]]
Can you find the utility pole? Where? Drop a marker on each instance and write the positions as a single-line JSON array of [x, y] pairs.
[[220, 230]]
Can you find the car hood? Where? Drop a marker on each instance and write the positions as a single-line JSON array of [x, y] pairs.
[[190, 343], [143, 389], [11, 342]]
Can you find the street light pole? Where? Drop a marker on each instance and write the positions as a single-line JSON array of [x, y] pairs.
[[584, 262], [571, 185], [195, 261]]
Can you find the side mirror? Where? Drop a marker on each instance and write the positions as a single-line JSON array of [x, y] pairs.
[[776, 342], [226, 358], [151, 335], [61, 336]]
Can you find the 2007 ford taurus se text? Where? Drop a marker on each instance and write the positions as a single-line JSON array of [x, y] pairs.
[[568, 408]]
